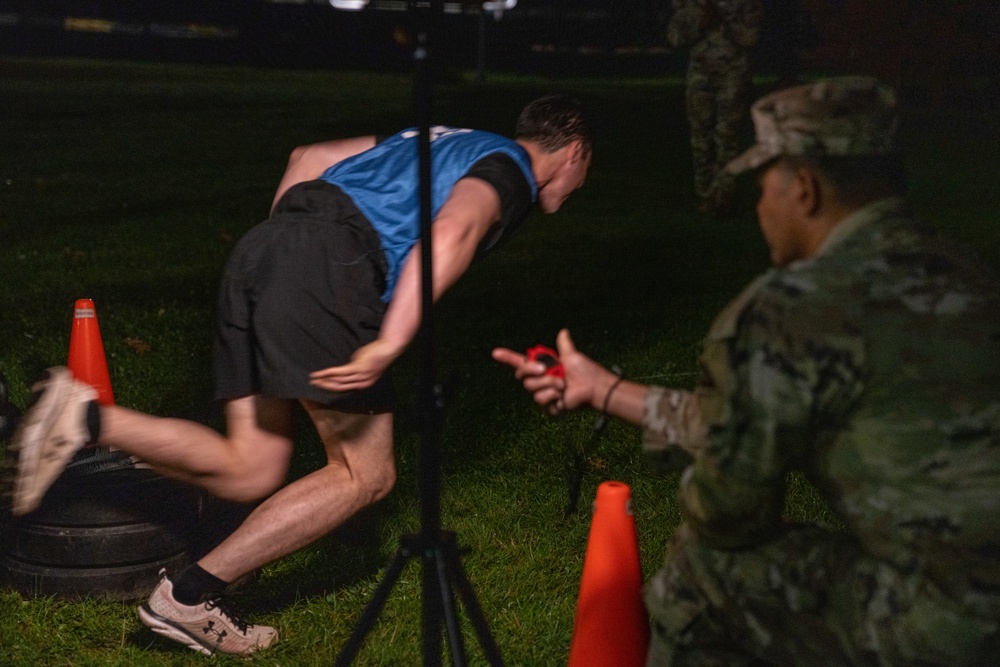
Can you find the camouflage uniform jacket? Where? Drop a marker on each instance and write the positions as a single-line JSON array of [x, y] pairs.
[[873, 368], [717, 30]]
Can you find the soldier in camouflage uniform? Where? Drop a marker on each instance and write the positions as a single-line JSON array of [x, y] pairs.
[[721, 34], [868, 359]]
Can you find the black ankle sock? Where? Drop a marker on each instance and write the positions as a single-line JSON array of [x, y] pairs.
[[93, 421], [193, 585]]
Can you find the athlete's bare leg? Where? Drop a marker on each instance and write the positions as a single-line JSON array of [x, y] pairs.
[[360, 470], [247, 463]]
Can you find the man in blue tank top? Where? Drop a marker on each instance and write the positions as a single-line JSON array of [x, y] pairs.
[[315, 305]]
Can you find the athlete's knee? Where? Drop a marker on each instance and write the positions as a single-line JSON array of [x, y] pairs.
[[375, 483], [266, 480], [248, 484], [249, 477], [385, 481]]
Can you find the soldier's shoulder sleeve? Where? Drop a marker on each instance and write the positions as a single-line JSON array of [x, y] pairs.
[[725, 323], [761, 366], [672, 428], [674, 421]]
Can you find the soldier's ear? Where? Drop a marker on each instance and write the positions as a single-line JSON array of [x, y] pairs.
[[808, 191]]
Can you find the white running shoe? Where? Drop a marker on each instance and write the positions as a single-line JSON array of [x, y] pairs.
[[205, 627], [53, 429]]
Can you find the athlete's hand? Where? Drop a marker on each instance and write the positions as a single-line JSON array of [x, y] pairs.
[[367, 365]]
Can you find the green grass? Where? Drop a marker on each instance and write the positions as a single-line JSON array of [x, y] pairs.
[[129, 184]]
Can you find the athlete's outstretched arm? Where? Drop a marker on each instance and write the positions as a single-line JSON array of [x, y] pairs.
[[472, 207]]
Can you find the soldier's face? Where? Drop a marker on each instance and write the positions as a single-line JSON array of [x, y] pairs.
[[778, 214]]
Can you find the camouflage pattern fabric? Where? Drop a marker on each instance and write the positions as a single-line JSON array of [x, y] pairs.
[[874, 369], [721, 34], [841, 116]]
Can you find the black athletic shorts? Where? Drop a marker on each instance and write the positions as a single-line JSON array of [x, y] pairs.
[[301, 292]]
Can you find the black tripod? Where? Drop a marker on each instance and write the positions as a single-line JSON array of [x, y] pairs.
[[436, 548]]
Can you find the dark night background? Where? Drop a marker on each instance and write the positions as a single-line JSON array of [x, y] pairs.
[[941, 48]]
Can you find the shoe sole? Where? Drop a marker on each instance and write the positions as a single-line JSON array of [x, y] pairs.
[[30, 436], [164, 627]]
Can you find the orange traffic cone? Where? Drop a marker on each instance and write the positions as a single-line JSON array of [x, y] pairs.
[[86, 352], [611, 628]]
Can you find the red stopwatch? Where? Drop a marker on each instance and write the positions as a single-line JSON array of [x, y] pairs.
[[550, 358]]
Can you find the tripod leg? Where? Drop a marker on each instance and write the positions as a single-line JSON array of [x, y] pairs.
[[372, 610], [455, 641], [449, 571], [475, 612], [432, 608]]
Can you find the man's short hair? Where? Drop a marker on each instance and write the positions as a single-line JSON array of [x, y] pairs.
[[553, 122], [856, 179]]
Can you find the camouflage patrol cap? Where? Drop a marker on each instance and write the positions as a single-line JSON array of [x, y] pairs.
[[850, 115]]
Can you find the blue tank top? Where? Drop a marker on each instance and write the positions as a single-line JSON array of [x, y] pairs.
[[384, 182]]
